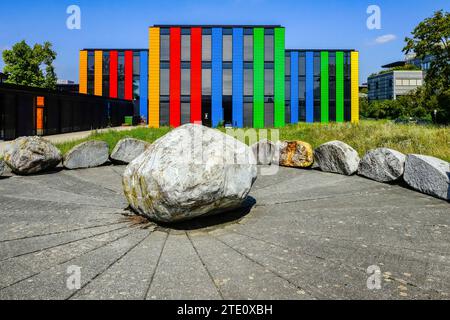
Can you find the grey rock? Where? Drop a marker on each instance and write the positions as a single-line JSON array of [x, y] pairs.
[[264, 151], [190, 172], [31, 155], [89, 154], [428, 175], [2, 167], [382, 165], [126, 150], [337, 157]]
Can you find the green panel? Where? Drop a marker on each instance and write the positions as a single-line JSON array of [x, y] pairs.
[[339, 86], [279, 81], [324, 87], [258, 77]]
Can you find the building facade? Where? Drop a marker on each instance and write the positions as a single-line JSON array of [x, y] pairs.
[[233, 75], [392, 84]]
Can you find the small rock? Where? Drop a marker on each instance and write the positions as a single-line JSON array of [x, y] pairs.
[[89, 154], [382, 165], [297, 154], [428, 175], [337, 157], [264, 151], [31, 155], [126, 150], [190, 172]]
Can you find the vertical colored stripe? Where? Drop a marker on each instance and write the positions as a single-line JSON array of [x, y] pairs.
[[113, 70], [83, 71], [216, 77], [258, 77], [309, 87], [238, 75], [128, 75], [280, 79], [324, 87], [340, 86], [196, 75], [175, 77], [294, 87], [355, 85], [153, 77], [98, 73], [143, 85]]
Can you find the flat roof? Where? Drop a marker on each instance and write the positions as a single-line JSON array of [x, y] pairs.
[[218, 25], [394, 64], [315, 50]]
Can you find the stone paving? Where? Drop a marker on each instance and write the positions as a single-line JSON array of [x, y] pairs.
[[303, 235]]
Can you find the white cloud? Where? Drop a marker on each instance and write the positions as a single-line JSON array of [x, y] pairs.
[[385, 39]]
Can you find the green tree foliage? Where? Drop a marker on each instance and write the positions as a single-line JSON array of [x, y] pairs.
[[432, 37], [30, 66]]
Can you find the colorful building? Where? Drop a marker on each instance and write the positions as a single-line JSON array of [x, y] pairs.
[[240, 76]]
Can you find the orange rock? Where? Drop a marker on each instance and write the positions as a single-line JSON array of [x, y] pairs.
[[296, 154]]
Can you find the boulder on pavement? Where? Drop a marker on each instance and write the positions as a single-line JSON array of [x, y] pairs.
[[190, 172], [428, 175], [382, 165], [296, 154], [126, 150], [264, 151], [337, 157], [89, 154], [2, 167], [31, 155]]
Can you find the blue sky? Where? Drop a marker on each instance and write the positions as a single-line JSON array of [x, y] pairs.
[[123, 24]]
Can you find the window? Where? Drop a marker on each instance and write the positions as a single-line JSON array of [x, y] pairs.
[[136, 63], [227, 82], [406, 82], [206, 47], [302, 64], [185, 82], [413, 82], [227, 48], [419, 82], [248, 82], [185, 112], [121, 75], [268, 82], [164, 113], [136, 88], [248, 48], [287, 70], [165, 47], [206, 82], [185, 48], [165, 82], [105, 79], [268, 48], [397, 83]]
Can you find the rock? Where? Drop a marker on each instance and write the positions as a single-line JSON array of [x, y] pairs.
[[264, 151], [31, 155], [190, 172], [337, 157], [382, 165], [126, 150], [2, 167], [89, 154], [428, 175], [297, 154]]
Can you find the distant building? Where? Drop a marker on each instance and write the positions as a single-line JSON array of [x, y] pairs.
[[392, 84], [67, 86]]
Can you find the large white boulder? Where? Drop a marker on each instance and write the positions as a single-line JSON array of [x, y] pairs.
[[264, 151], [128, 149], [382, 165], [89, 154], [190, 172], [428, 175], [31, 155], [337, 157]]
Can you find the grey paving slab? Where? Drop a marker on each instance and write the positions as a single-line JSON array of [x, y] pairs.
[[309, 235]]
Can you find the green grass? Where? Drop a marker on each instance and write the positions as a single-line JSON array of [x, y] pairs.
[[367, 135]]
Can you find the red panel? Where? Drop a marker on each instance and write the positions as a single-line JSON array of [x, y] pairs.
[[129, 75], [196, 75], [113, 65], [175, 77]]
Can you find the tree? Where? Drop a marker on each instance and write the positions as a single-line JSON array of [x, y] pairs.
[[432, 37], [30, 66]]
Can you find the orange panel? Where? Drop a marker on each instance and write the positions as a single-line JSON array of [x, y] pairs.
[[39, 118]]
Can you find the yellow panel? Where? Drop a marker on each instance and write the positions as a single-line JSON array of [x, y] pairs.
[[153, 77], [355, 86], [98, 73], [83, 71]]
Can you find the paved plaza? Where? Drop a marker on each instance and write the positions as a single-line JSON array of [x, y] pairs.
[[303, 234]]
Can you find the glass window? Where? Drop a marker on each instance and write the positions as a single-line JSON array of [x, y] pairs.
[[206, 82], [206, 48], [185, 48], [105, 63], [248, 114], [121, 75], [136, 64], [287, 87], [302, 64], [165, 47], [248, 48], [185, 82], [317, 64], [164, 113], [165, 82], [227, 82], [227, 48], [268, 82], [268, 112], [91, 63], [185, 112], [136, 87], [268, 48], [287, 70], [248, 82]]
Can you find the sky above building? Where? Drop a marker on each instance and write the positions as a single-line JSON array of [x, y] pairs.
[[316, 24]]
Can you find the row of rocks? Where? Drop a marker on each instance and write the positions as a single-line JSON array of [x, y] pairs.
[[426, 174], [32, 155]]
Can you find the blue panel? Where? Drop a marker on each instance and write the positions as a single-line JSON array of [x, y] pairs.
[[216, 77], [309, 87], [143, 85], [294, 87], [238, 77]]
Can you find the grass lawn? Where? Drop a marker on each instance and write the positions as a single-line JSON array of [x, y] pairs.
[[426, 140]]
